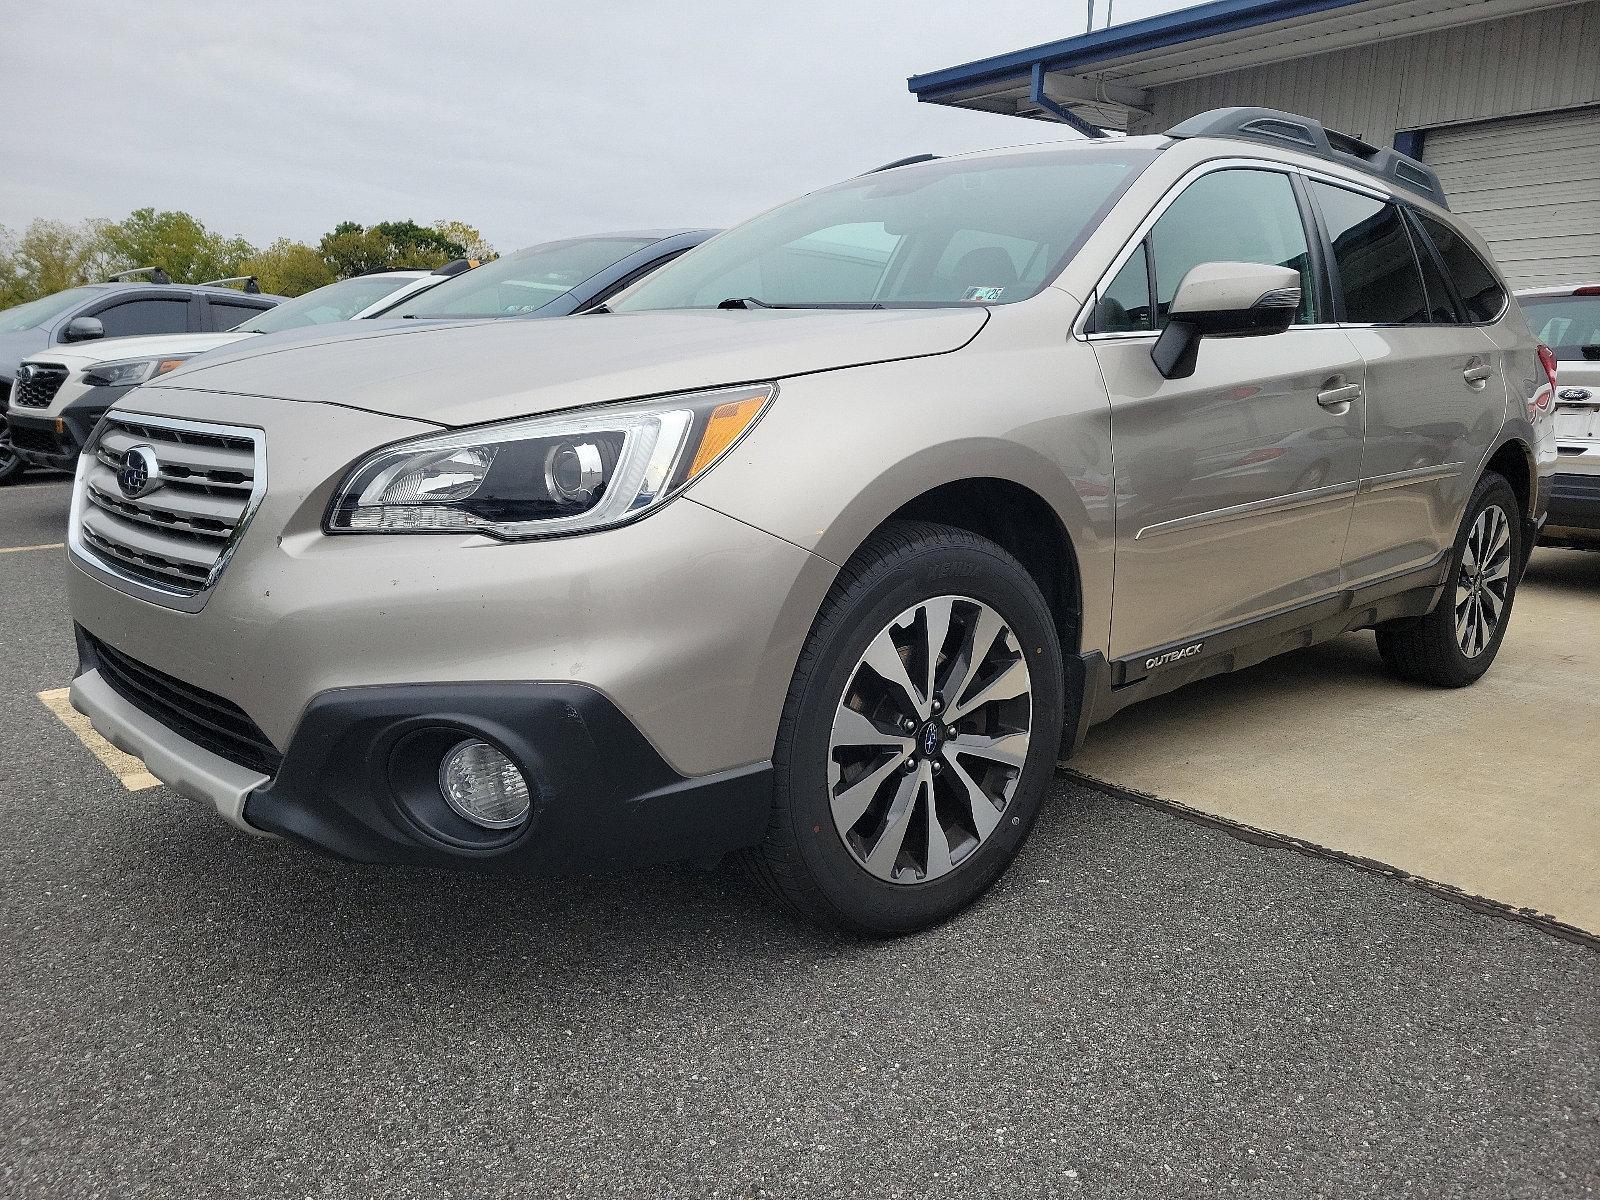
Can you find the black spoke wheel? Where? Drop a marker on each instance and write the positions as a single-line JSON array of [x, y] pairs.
[[1455, 644], [919, 735]]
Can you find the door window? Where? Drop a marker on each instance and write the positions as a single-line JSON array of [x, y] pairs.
[[1378, 272], [225, 314], [1475, 282], [134, 317], [1232, 216], [1441, 308], [1125, 304]]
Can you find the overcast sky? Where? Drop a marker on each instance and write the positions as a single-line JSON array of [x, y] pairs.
[[529, 120]]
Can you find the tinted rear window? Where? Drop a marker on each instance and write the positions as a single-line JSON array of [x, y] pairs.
[[1569, 325]]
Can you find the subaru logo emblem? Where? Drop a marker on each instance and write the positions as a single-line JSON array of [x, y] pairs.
[[932, 739], [140, 472]]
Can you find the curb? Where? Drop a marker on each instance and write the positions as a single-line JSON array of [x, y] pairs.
[[1282, 841]]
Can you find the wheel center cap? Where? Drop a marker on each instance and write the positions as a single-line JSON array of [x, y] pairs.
[[931, 740]]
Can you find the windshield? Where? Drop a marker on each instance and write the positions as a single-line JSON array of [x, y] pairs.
[[990, 230], [325, 305], [36, 312], [522, 282], [1569, 325]]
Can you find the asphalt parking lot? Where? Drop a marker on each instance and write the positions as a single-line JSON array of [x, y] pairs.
[[1144, 1007]]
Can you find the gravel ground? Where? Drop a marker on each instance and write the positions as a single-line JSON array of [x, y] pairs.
[[1143, 1007]]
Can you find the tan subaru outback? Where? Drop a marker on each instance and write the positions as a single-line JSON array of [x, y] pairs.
[[822, 544]]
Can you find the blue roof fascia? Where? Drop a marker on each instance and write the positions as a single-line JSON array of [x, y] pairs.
[[1136, 37]]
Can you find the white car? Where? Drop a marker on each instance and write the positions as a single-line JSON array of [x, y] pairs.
[[59, 395]]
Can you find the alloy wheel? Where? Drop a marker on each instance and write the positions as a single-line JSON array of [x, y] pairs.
[[1484, 583], [929, 740], [8, 455]]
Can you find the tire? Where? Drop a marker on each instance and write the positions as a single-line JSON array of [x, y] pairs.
[[11, 467], [841, 783], [1435, 649]]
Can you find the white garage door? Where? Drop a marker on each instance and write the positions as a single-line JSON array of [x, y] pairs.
[[1531, 187]]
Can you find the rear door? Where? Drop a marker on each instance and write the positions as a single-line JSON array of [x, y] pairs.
[[223, 313], [1435, 396], [1233, 486]]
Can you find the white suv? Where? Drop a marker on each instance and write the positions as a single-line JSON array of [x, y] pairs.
[[59, 394]]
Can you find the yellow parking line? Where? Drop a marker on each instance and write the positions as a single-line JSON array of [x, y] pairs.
[[20, 549], [128, 769]]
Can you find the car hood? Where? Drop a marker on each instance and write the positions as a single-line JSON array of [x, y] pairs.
[[18, 345], [463, 374], [154, 345]]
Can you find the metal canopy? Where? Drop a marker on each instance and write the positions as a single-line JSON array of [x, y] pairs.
[[1098, 80]]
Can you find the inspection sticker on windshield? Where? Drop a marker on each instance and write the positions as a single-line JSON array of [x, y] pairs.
[[984, 295]]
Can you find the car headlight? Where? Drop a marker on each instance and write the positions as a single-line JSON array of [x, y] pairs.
[[127, 372], [573, 472]]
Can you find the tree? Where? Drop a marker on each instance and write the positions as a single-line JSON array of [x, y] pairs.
[[351, 249], [473, 244], [177, 243], [287, 268], [50, 256]]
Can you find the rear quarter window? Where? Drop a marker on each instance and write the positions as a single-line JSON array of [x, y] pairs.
[[1474, 279]]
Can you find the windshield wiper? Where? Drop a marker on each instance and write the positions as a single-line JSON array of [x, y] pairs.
[[752, 302]]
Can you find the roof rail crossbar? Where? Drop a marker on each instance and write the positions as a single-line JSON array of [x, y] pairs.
[[251, 286], [1309, 136], [903, 162], [157, 275]]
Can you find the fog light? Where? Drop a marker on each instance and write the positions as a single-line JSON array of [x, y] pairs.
[[483, 785]]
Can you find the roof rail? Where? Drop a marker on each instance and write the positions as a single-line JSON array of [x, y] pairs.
[[455, 266], [903, 162], [157, 275], [251, 287], [1283, 129]]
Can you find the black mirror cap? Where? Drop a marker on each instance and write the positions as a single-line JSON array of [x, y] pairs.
[[83, 329], [1177, 350]]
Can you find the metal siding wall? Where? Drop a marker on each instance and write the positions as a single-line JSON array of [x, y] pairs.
[[1527, 64], [1354, 91], [1533, 63], [1531, 187]]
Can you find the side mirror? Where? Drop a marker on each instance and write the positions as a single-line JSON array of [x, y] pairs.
[[1224, 299], [83, 329]]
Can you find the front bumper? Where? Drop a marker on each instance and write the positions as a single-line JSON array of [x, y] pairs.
[[52, 442], [357, 779]]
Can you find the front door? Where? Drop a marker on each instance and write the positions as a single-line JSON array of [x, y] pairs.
[[1233, 486]]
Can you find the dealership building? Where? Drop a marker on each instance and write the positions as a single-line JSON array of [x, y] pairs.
[[1500, 97]]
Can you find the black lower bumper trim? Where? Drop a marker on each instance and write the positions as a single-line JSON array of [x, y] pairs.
[[43, 442], [358, 781], [1575, 503]]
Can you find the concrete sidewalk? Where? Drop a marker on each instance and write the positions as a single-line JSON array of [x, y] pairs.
[[1492, 789]]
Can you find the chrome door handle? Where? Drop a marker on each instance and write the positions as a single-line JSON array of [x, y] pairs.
[[1339, 397], [1477, 374]]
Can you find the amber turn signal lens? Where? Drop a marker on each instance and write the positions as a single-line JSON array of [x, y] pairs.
[[165, 365], [726, 423]]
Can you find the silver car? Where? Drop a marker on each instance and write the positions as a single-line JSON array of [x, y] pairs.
[[822, 543], [1567, 320]]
